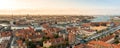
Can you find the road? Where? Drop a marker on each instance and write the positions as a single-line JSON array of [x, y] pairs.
[[112, 30]]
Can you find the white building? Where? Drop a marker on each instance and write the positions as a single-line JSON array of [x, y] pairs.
[[19, 27]]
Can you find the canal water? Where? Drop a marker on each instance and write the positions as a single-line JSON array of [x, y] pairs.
[[101, 19]]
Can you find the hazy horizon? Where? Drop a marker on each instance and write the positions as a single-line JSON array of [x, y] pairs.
[[60, 7]]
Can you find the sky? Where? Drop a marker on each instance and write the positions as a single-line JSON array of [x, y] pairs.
[[72, 7]]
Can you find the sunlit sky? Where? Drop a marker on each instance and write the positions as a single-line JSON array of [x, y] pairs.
[[79, 7]]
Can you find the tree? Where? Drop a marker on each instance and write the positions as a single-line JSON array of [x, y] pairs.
[[40, 43], [45, 38], [116, 37], [56, 35], [67, 43], [30, 44], [51, 47]]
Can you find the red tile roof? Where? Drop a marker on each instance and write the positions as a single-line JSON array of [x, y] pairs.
[[102, 44], [107, 38]]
